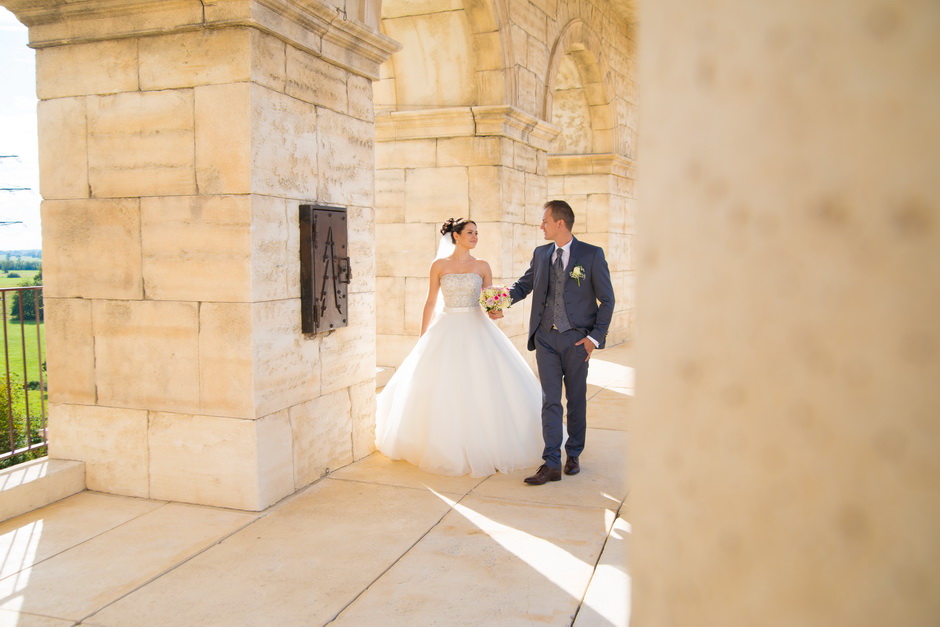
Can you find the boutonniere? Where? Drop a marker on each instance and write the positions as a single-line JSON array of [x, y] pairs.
[[577, 273]]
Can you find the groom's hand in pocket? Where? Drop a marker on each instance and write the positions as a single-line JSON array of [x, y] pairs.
[[588, 346]]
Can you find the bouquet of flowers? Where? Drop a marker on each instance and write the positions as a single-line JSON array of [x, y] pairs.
[[495, 297]]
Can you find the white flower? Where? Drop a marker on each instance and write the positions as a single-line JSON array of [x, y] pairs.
[[577, 273]]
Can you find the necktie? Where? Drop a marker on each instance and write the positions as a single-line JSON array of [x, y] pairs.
[[559, 267]]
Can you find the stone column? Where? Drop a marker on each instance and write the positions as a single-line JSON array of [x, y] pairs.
[[177, 140], [785, 466], [488, 163], [600, 189]]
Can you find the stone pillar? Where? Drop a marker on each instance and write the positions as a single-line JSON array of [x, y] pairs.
[[600, 189], [488, 163], [177, 140], [784, 462]]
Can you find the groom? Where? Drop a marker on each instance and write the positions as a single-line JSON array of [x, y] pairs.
[[567, 278]]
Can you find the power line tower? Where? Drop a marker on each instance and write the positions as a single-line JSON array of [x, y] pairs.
[[12, 190]]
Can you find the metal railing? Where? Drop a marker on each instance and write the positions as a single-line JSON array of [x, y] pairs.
[[23, 407]]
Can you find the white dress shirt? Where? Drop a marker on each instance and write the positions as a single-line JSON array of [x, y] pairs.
[[565, 257]]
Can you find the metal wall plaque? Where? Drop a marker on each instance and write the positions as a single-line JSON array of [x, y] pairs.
[[324, 268]]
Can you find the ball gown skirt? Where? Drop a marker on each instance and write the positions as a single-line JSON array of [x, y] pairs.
[[463, 401]]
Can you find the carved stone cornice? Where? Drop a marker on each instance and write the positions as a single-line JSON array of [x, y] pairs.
[[503, 121], [514, 123], [310, 25], [600, 163]]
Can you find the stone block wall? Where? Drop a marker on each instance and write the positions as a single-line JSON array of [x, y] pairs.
[[173, 164], [449, 147]]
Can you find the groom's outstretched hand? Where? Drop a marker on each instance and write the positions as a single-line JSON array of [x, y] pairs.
[[495, 315], [588, 346]]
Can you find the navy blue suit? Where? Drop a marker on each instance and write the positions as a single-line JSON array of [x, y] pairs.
[[590, 307]]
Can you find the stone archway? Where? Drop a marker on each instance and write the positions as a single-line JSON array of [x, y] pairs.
[[584, 166]]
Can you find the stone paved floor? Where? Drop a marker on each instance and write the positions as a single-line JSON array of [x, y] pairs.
[[374, 543]]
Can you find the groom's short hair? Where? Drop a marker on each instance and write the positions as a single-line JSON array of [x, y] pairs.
[[561, 211]]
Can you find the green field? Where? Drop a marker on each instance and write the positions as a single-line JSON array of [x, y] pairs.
[[13, 347]]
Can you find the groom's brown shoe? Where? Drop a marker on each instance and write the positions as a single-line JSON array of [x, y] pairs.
[[544, 474], [572, 467]]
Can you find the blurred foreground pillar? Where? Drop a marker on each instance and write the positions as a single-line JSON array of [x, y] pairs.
[[785, 467]]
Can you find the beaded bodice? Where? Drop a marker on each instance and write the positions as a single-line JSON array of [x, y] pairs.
[[461, 290]]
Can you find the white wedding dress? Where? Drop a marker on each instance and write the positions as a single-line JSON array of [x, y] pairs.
[[464, 400]]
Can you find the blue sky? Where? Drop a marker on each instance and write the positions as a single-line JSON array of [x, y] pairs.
[[18, 137]]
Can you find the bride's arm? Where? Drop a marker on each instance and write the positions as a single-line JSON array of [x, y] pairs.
[[434, 285]]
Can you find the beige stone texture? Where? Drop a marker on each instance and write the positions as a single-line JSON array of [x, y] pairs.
[[275, 464], [38, 535], [435, 194], [353, 544], [444, 78], [346, 354], [486, 193], [390, 195], [268, 60], [76, 232], [90, 22], [391, 350], [608, 601], [514, 195], [321, 441], [288, 165], [193, 530], [63, 148], [359, 92], [315, 80], [495, 246], [362, 410], [412, 153], [361, 234], [312, 556], [601, 482], [381, 470], [223, 138], [141, 144], [100, 67], [111, 442], [346, 159], [70, 350], [30, 485], [196, 248], [275, 242], [226, 360], [415, 295], [536, 186], [406, 249], [410, 8], [286, 363], [218, 461], [194, 58], [147, 354], [10, 617], [454, 568], [390, 298], [470, 151], [788, 312], [524, 157]]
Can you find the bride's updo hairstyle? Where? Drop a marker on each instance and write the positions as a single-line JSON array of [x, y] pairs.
[[455, 225]]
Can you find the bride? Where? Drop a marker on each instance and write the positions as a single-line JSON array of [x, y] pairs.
[[464, 400]]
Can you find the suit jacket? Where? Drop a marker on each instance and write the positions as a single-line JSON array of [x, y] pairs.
[[581, 301]]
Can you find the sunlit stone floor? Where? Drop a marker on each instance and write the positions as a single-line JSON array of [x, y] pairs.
[[374, 543]]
